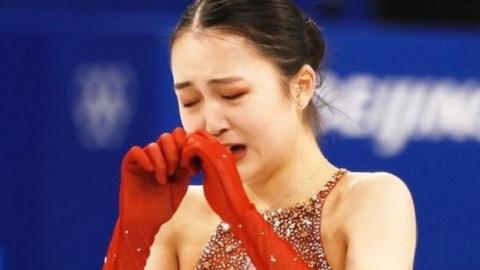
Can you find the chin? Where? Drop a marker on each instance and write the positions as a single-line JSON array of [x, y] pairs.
[[245, 177], [248, 170]]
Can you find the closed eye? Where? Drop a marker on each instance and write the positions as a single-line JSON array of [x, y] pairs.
[[233, 96], [228, 97], [187, 105]]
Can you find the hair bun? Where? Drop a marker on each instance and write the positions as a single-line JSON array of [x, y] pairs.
[[315, 43]]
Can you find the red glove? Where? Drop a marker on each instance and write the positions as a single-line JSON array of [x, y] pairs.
[[152, 187], [225, 194]]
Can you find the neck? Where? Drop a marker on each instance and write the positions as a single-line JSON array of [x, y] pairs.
[[303, 173]]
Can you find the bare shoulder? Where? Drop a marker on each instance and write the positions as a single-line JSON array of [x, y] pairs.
[[182, 229], [374, 187], [193, 206], [194, 201], [378, 221], [374, 192], [365, 183]]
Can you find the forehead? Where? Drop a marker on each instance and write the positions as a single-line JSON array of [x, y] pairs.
[[209, 54]]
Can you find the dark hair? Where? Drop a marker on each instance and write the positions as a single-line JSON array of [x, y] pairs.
[[278, 28]]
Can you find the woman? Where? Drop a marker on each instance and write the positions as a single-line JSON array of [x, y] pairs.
[[246, 83]]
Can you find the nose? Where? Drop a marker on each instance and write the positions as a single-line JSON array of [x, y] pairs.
[[215, 120]]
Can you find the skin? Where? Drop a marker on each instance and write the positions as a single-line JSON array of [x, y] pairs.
[[368, 220]]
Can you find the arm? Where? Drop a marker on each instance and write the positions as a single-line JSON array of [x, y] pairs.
[[151, 189], [380, 225], [225, 194]]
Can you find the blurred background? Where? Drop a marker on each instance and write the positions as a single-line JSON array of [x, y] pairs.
[[82, 81]]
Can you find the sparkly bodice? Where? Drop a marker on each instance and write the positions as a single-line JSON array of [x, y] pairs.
[[299, 225]]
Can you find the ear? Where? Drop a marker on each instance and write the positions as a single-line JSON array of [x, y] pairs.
[[302, 85]]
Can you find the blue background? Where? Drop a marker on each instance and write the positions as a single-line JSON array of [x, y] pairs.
[[58, 195]]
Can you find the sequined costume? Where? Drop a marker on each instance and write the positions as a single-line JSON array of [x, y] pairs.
[[299, 225]]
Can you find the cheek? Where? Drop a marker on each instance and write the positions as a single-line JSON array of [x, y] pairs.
[[272, 129], [266, 126], [190, 122], [271, 117]]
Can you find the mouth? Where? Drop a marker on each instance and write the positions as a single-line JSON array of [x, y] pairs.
[[238, 150]]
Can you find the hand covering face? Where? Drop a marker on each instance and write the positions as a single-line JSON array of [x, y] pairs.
[[154, 181], [225, 194]]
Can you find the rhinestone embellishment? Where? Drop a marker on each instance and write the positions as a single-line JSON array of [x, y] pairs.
[[299, 225]]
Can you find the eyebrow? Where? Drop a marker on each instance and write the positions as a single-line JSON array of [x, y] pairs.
[[225, 80]]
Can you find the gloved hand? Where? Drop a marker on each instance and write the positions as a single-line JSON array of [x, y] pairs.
[[225, 194], [152, 187]]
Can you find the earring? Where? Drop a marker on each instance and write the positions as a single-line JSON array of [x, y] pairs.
[[301, 105], [298, 91]]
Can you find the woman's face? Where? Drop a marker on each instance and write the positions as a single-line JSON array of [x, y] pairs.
[[223, 85]]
